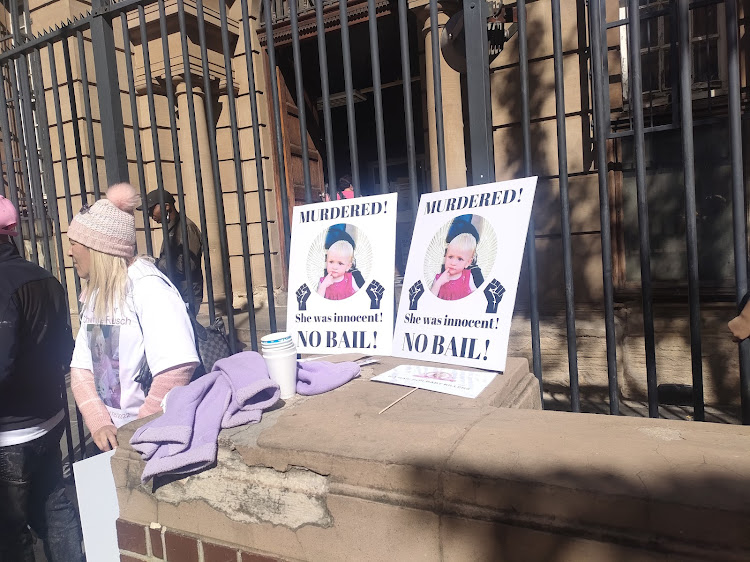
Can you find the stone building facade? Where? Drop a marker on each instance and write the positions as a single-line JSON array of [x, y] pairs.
[[720, 358]]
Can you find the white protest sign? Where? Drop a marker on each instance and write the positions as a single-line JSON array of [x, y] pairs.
[[98, 507], [462, 275], [468, 384], [341, 276]]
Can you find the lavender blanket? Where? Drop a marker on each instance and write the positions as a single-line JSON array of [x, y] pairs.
[[184, 439]]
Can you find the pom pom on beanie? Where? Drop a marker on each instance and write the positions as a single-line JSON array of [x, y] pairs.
[[124, 197], [108, 226]]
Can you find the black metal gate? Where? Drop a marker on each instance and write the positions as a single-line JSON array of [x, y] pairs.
[[164, 114]]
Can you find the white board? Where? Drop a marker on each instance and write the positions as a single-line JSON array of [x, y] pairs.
[[97, 503], [468, 384], [462, 275], [343, 305]]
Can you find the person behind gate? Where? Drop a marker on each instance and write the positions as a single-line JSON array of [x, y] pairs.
[[175, 243], [35, 348], [133, 321]]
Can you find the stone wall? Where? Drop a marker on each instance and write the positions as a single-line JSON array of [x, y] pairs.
[[438, 477]]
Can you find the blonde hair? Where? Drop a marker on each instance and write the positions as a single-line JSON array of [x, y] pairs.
[[342, 247], [464, 242], [107, 284]]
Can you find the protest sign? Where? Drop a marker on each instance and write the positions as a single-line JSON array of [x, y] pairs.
[[462, 274], [341, 276], [468, 384]]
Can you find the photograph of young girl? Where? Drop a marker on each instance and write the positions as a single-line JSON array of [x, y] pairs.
[[104, 345], [457, 255], [345, 255]]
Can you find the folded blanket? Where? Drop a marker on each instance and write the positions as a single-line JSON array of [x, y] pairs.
[[317, 377], [184, 439]]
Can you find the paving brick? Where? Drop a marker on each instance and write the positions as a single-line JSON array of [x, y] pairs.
[[217, 553], [131, 537], [181, 548]]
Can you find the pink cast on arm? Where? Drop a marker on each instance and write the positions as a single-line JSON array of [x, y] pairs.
[[163, 383], [93, 410]]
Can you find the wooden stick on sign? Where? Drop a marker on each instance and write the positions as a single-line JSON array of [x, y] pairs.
[[398, 400]]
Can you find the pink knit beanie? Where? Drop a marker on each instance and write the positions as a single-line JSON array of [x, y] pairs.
[[108, 226]]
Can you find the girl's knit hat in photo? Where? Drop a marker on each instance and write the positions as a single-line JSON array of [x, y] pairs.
[[108, 226]]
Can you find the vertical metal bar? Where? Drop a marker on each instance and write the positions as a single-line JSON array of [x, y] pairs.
[[68, 428], [51, 188], [600, 81], [523, 56], [81, 180], [326, 96], [252, 94], [23, 160], [10, 161], [238, 172], [155, 141], [215, 171], [403, 29], [74, 119], [284, 211], [738, 193], [136, 131], [43, 136], [438, 91], [108, 92], [372, 23], [644, 233], [351, 118], [186, 260], [196, 160], [688, 160], [52, 202], [478, 86], [63, 152], [87, 114], [300, 90], [35, 178], [562, 157]]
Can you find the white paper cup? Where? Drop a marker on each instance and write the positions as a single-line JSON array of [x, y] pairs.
[[282, 368]]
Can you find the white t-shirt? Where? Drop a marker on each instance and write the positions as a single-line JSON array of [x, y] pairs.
[[153, 320]]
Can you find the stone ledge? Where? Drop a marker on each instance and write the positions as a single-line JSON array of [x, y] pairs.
[[328, 478]]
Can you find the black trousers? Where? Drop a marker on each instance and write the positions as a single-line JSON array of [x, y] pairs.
[[32, 494]]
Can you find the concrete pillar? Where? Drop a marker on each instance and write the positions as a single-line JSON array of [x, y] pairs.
[[453, 121], [192, 209]]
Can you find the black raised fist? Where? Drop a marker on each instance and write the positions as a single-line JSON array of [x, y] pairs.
[[303, 294], [493, 292], [375, 290], [415, 292]]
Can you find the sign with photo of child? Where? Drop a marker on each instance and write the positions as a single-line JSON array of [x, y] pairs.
[[341, 264], [461, 278]]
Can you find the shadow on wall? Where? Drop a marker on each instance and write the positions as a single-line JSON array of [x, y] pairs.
[[646, 514]]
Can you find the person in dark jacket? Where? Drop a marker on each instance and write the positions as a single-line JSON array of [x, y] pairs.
[[35, 350], [177, 275]]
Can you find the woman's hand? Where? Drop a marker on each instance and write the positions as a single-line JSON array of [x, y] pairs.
[[105, 438]]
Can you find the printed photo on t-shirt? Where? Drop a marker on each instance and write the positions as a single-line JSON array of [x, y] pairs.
[[104, 343]]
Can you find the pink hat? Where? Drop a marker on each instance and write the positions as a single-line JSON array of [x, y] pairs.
[[108, 226], [8, 217]]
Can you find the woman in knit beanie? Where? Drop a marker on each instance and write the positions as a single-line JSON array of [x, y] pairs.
[[132, 318]]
